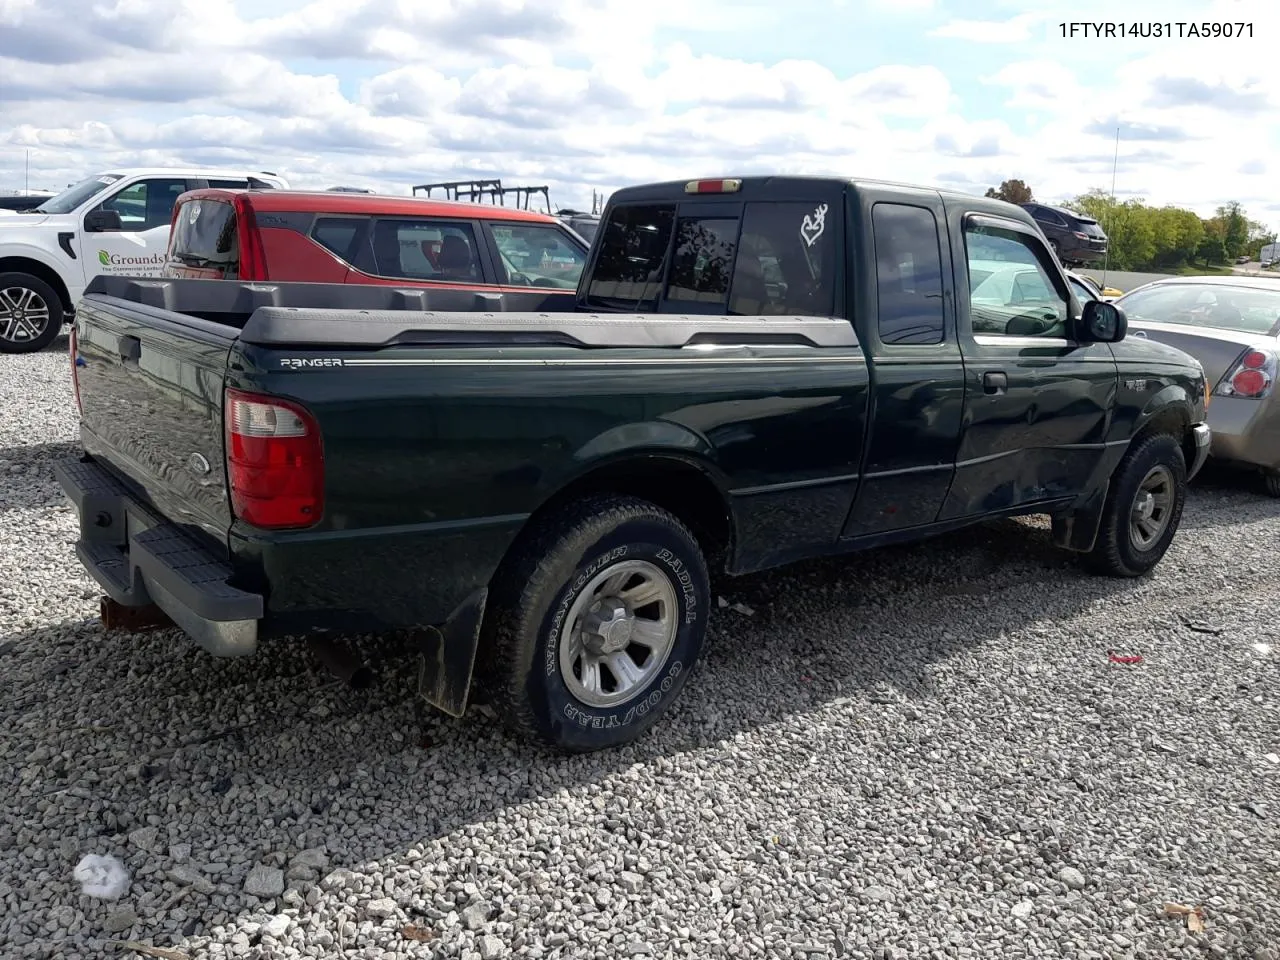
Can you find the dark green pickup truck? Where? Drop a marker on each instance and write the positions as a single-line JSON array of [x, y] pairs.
[[752, 372]]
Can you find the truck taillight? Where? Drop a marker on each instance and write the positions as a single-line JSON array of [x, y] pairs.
[[1252, 377], [275, 461], [73, 349], [253, 256]]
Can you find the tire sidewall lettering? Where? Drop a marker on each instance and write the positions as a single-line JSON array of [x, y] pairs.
[[664, 685], [551, 661]]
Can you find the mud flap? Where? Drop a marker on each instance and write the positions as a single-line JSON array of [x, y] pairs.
[[1077, 529], [447, 656]]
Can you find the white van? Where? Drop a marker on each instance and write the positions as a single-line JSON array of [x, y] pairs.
[[115, 222]]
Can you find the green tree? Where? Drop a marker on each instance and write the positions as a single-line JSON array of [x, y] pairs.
[[1235, 228], [1012, 191], [1177, 235], [1212, 250], [1169, 237], [1129, 227]]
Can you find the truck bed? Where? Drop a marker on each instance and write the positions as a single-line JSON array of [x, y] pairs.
[[347, 316], [432, 459]]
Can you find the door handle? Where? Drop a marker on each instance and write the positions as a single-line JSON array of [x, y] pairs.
[[993, 381], [130, 348]]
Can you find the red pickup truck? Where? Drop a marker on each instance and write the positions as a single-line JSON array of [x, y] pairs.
[[327, 237]]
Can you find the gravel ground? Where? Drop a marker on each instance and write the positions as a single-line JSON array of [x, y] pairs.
[[922, 752]]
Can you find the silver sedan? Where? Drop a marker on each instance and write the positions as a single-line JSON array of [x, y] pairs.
[[1232, 326]]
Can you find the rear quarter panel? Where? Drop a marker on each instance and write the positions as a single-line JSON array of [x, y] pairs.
[[436, 457]]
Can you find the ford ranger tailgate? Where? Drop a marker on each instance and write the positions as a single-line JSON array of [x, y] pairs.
[[150, 387]]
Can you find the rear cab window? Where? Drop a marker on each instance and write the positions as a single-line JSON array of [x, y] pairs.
[[733, 256], [205, 241]]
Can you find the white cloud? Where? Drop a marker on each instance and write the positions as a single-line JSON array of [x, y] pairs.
[[584, 94], [1014, 30]]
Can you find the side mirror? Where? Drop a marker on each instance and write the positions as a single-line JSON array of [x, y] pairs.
[[1104, 322], [102, 221]]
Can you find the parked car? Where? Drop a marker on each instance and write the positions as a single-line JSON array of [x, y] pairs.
[[15, 202], [1232, 326], [111, 223], [1075, 237], [1082, 288], [1101, 291], [756, 371], [583, 224], [338, 237]]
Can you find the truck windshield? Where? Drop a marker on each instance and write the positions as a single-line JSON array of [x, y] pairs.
[[776, 258], [77, 194]]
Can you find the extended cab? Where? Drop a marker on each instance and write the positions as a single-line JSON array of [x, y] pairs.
[[357, 238], [757, 371], [114, 223]]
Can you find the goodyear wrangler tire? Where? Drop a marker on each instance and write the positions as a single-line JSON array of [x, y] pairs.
[[594, 624], [1143, 509]]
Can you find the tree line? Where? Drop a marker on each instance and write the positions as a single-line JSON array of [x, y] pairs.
[[1143, 237]]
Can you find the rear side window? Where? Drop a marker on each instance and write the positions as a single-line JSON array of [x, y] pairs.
[[205, 237], [422, 249], [339, 235], [908, 274], [786, 261]]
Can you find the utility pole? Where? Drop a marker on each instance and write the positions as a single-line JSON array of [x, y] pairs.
[[26, 174], [1115, 160]]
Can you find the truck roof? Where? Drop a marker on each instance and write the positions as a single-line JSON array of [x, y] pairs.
[[326, 201], [186, 172], [676, 189]]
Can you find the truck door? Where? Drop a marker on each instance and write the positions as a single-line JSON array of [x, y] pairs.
[[145, 208], [1036, 401], [918, 375]]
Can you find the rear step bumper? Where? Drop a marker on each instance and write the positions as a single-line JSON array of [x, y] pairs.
[[139, 558]]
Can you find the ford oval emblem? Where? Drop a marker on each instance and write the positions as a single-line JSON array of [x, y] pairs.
[[198, 464]]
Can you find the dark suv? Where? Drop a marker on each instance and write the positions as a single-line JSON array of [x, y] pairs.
[[1075, 238]]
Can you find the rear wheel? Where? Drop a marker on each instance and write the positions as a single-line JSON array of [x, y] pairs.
[[1053, 245], [30, 313], [1143, 510], [593, 626]]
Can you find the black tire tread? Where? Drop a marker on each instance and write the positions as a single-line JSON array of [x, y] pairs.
[[1106, 557], [509, 637]]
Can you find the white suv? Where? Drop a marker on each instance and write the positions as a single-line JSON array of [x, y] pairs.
[[115, 222]]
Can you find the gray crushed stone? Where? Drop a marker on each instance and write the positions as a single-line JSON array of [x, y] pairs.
[[918, 752]]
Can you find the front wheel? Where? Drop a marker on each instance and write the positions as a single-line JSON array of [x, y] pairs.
[[30, 313], [593, 626], [1143, 510]]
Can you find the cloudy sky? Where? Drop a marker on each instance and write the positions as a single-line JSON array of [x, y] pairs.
[[584, 94]]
